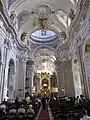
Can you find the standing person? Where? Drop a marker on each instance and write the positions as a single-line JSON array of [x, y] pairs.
[[17, 103], [85, 116], [43, 101], [4, 101]]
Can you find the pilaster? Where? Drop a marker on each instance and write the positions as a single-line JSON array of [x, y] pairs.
[[64, 78], [29, 74], [5, 50], [20, 84], [60, 79]]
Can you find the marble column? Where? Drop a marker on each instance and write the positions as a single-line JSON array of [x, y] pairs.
[[76, 78], [20, 84], [87, 70], [60, 78], [11, 82], [1, 73], [3, 68], [83, 71], [64, 78], [29, 74], [68, 77], [33, 78]]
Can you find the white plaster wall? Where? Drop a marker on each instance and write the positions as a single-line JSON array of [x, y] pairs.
[[87, 69], [2, 37], [76, 78], [10, 55]]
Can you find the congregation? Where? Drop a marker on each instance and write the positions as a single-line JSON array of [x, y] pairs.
[[62, 108]]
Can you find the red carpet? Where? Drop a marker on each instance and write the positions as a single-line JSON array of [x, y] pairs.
[[44, 115]]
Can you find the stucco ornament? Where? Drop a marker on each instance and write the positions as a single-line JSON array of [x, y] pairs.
[[23, 36], [1, 4], [10, 2], [13, 18], [63, 35], [71, 14]]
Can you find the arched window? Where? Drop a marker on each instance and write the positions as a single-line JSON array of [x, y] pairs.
[[43, 35], [11, 80]]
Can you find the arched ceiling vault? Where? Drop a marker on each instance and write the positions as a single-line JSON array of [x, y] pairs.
[[43, 56], [24, 9], [46, 14], [19, 5]]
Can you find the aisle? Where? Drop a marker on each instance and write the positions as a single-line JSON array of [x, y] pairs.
[[44, 115]]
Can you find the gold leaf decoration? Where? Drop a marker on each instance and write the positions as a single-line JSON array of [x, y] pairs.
[[63, 35], [87, 48], [1, 5], [23, 36]]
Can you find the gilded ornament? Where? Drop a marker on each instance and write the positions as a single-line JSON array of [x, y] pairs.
[[1, 5], [75, 61], [23, 36], [87, 48], [63, 35]]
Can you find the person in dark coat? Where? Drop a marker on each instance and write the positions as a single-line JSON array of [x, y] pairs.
[[17, 103], [43, 101]]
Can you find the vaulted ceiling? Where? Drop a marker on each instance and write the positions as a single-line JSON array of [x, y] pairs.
[[29, 14], [44, 56], [25, 9]]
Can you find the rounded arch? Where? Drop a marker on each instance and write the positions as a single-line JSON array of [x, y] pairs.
[[17, 4], [11, 66], [29, 75], [44, 58], [11, 61], [42, 47], [11, 80]]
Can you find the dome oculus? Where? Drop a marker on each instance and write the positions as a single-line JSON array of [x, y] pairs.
[[43, 35]]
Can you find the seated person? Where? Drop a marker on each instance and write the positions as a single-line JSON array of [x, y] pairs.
[[4, 102], [30, 110], [21, 110], [85, 116], [12, 110], [2, 106], [2, 110], [77, 101]]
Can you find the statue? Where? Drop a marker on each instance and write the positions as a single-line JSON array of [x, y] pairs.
[[13, 18], [43, 22], [75, 61], [71, 14], [63, 35]]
